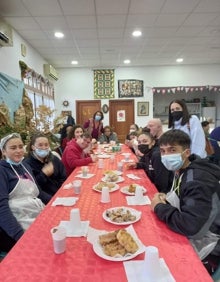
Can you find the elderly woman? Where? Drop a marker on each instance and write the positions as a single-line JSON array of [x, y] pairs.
[[19, 194], [108, 135]]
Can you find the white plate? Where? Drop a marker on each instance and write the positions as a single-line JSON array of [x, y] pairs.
[[120, 179], [113, 171], [99, 251], [132, 211], [116, 187], [124, 190]]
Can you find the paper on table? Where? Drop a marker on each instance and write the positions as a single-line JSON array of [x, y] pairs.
[[65, 201], [132, 176], [68, 186], [134, 271], [70, 232], [132, 200], [89, 175]]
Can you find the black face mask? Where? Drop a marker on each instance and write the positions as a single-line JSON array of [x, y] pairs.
[[177, 115], [144, 148]]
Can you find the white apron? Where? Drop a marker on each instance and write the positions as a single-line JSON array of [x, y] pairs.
[[23, 200]]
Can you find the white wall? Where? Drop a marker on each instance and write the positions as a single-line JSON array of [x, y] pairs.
[[77, 84]]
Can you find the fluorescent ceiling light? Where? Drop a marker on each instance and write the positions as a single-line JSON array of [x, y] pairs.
[[127, 61], [137, 33], [74, 62], [59, 34], [179, 60]]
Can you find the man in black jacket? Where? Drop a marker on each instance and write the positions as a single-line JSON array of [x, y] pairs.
[[192, 207]]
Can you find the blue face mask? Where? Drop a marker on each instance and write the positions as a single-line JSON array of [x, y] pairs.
[[12, 162], [173, 161], [98, 118], [42, 153]]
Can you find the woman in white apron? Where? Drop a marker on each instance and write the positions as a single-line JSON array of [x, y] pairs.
[[19, 202]]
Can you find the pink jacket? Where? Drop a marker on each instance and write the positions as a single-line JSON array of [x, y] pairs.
[[74, 156]]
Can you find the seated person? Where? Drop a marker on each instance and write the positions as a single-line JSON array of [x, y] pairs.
[[131, 140], [74, 154], [47, 168], [192, 207], [108, 135], [20, 197], [75, 132], [64, 137], [150, 161]]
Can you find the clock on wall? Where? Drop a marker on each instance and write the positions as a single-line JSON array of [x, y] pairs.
[[65, 103]]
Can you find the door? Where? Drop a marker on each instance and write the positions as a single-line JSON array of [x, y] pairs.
[[121, 116], [85, 109]]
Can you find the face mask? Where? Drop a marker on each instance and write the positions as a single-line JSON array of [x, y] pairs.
[[177, 115], [12, 162], [42, 153], [144, 148], [173, 161], [97, 118]]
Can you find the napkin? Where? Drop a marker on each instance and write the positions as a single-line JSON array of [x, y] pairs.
[[132, 176], [68, 186], [132, 200], [135, 271], [70, 232], [65, 201], [89, 175]]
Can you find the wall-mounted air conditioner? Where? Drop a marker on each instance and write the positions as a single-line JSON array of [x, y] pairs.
[[50, 71], [5, 34]]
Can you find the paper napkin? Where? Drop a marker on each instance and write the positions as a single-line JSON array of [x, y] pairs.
[[68, 186], [65, 201], [132, 200], [135, 271], [71, 232], [132, 176]]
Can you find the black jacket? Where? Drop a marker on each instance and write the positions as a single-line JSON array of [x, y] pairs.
[[199, 195], [49, 184], [155, 170]]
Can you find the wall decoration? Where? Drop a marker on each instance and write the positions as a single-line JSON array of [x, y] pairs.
[[103, 84], [130, 88], [105, 108], [143, 108], [65, 103], [121, 116]]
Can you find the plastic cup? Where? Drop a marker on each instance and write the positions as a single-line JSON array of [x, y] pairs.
[[105, 196], [59, 239], [127, 156], [77, 186], [120, 166], [85, 171], [75, 220], [100, 163], [152, 264]]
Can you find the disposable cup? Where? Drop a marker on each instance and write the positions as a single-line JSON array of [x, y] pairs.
[[120, 166], [127, 156], [77, 186], [152, 264], [75, 220], [85, 171], [59, 239], [105, 196]]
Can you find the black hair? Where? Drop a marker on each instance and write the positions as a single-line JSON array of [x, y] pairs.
[[147, 133], [71, 134], [102, 116], [204, 123], [175, 137], [33, 139], [186, 115]]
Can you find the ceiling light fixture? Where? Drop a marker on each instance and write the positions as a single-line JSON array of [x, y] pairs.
[[59, 34], [179, 60], [137, 33], [74, 62], [127, 61]]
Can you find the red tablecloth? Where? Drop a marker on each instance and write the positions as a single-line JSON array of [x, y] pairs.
[[33, 258]]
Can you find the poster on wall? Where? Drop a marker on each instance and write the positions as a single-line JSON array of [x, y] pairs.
[[121, 116], [130, 88]]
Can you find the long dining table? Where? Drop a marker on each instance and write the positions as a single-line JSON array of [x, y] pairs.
[[33, 257]]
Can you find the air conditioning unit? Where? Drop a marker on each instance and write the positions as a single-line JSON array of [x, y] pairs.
[[5, 34], [50, 71]]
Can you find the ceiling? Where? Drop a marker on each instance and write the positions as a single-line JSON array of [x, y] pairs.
[[98, 33]]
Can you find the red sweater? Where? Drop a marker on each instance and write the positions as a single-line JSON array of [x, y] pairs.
[[74, 156]]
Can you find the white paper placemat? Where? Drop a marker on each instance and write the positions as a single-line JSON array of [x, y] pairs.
[[65, 201], [71, 232], [131, 200], [132, 176]]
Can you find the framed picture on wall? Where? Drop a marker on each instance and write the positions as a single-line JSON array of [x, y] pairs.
[[130, 88], [143, 108]]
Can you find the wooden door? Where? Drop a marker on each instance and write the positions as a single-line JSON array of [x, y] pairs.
[[85, 109], [121, 124]]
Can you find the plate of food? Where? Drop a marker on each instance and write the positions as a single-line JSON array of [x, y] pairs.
[[130, 189], [121, 215], [107, 172], [119, 245], [113, 178], [112, 186]]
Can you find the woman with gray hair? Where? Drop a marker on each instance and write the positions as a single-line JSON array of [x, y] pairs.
[[19, 194]]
